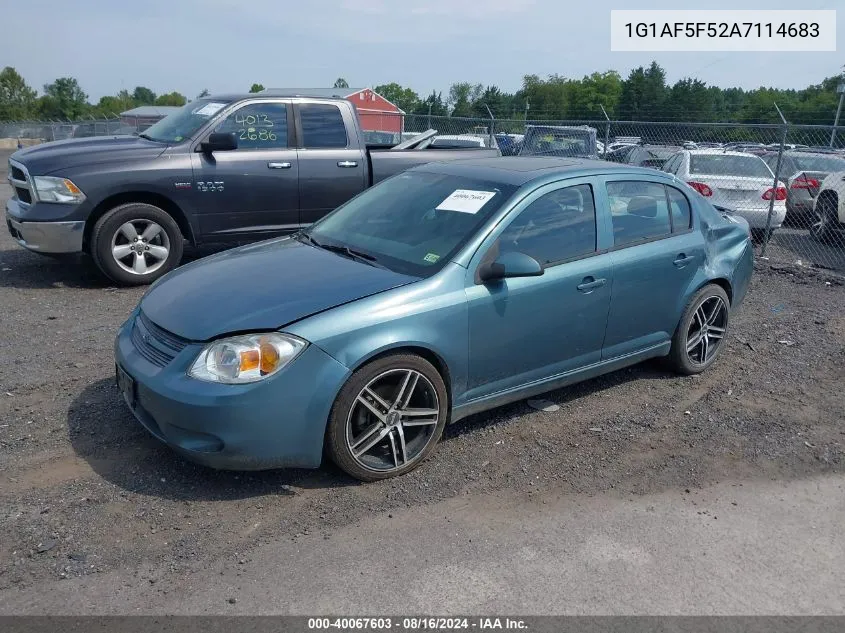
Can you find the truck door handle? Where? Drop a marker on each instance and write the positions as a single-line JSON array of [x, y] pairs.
[[590, 283], [279, 165], [682, 260], [347, 163]]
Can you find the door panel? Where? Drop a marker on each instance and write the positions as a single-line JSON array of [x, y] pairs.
[[330, 172], [527, 329], [255, 188], [651, 276]]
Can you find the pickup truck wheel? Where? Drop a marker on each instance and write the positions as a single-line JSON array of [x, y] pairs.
[[136, 243]]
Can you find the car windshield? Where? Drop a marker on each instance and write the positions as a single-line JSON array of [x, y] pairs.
[[811, 162], [183, 124], [729, 165], [415, 222]]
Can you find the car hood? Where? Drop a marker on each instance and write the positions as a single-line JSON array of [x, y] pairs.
[[262, 286], [47, 158]]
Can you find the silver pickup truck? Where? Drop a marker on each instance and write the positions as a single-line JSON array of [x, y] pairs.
[[224, 168]]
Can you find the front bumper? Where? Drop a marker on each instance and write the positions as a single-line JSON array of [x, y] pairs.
[[44, 237], [275, 423]]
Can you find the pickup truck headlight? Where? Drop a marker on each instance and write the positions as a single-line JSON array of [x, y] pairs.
[[248, 358], [61, 190]]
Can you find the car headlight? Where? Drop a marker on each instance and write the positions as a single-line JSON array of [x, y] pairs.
[[247, 358], [62, 190]]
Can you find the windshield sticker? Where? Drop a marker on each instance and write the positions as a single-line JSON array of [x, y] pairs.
[[210, 109], [431, 258], [465, 201]]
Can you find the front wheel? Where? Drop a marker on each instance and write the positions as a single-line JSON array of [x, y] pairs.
[[701, 333], [825, 220], [388, 417], [135, 244]]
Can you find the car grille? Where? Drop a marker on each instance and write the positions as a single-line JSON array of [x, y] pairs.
[[20, 181], [155, 344], [17, 173], [23, 195]]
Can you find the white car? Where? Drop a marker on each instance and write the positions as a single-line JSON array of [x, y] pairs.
[[829, 209], [740, 182]]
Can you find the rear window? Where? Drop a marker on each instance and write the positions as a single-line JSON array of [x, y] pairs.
[[819, 163], [729, 165], [322, 126]]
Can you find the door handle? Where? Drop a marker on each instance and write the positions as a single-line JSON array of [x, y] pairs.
[[279, 165], [347, 163], [682, 260], [589, 284]]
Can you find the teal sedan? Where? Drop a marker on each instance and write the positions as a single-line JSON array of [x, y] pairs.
[[444, 291]]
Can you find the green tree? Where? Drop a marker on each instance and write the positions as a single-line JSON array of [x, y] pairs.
[[462, 97], [406, 99], [204, 93], [340, 82], [66, 99], [171, 99], [111, 106], [433, 104], [17, 99], [256, 88], [143, 96]]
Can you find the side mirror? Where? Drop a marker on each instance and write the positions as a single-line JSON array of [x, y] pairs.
[[219, 142], [507, 265]]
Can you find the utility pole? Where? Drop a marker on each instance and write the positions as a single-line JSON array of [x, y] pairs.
[[841, 90], [527, 106]]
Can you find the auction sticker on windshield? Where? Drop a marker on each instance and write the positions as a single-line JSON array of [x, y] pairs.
[[210, 109], [465, 201]]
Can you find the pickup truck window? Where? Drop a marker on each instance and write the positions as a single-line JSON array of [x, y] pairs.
[[258, 126], [322, 126], [183, 124]]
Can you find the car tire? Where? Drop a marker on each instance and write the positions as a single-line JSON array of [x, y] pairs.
[[368, 435], [134, 244], [690, 354], [825, 220]]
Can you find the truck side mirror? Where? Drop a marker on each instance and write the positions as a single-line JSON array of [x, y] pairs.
[[219, 142]]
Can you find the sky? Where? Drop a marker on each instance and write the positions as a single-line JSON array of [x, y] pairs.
[[226, 45]]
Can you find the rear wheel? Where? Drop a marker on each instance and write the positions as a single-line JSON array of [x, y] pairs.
[[825, 221], [701, 333], [135, 244], [388, 417]]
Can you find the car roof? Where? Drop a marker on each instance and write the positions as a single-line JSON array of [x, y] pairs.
[[519, 170], [718, 152], [267, 94]]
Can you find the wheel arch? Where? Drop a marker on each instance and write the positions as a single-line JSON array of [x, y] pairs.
[[140, 197]]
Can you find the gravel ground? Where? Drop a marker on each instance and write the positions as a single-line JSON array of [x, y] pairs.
[[84, 490]]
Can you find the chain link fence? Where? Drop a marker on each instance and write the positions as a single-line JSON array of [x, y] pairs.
[[797, 216]]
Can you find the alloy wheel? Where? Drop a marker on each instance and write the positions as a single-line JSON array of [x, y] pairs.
[[707, 330], [140, 247], [393, 419]]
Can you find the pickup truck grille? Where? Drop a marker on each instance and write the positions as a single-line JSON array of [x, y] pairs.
[[21, 183], [155, 344]]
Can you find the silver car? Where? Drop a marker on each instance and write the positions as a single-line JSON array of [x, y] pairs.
[[737, 181]]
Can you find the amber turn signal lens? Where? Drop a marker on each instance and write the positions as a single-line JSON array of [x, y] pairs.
[[250, 359], [269, 357], [72, 187]]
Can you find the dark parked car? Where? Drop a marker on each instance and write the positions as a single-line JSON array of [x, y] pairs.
[[643, 155], [803, 171], [444, 291], [559, 140], [225, 168]]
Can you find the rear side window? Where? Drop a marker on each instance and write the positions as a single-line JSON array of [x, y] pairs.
[[681, 214], [322, 126], [639, 211]]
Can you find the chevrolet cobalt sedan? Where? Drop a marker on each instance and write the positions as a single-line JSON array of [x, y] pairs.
[[443, 291]]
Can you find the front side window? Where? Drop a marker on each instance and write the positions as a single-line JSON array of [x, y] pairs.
[[185, 122], [639, 211], [558, 226], [258, 126], [322, 126]]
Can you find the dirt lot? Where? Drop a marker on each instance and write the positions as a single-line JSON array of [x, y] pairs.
[[84, 490]]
